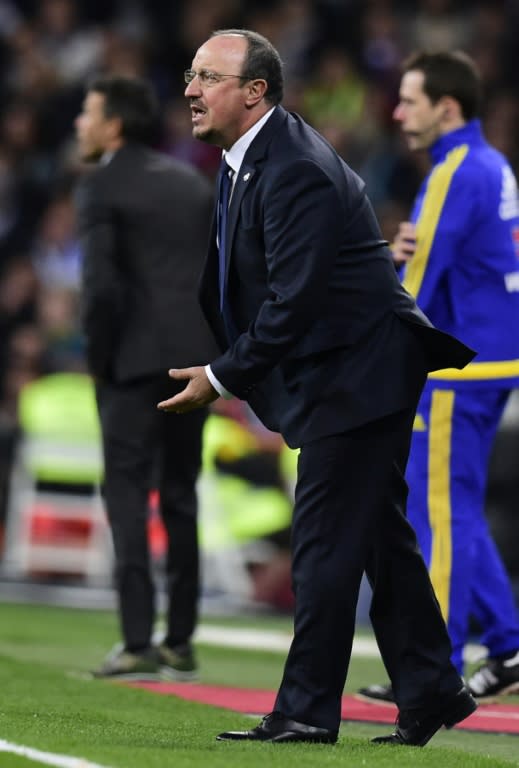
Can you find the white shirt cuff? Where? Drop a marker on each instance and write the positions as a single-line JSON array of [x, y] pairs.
[[217, 385]]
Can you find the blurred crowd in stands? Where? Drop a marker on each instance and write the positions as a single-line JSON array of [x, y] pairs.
[[341, 62]]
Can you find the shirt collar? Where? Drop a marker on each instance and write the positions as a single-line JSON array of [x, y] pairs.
[[470, 133], [234, 156], [106, 157]]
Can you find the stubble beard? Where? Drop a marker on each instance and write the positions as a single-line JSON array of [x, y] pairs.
[[204, 134], [90, 155]]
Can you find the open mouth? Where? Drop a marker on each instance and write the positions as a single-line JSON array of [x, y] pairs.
[[197, 113]]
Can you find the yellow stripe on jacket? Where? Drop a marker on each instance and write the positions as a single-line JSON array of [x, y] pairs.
[[484, 371], [432, 206]]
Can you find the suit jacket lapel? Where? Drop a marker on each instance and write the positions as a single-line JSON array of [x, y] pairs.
[[255, 153], [245, 177]]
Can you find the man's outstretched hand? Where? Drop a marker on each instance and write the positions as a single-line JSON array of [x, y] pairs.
[[198, 392]]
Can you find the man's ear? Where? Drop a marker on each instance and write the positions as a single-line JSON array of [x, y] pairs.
[[115, 128], [451, 108], [256, 90]]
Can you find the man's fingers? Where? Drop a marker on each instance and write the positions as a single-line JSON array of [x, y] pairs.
[[404, 246], [168, 405], [197, 392], [406, 228], [177, 404], [180, 373]]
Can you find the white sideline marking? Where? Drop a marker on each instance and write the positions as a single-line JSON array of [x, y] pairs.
[[276, 640], [266, 640], [47, 758], [493, 713]]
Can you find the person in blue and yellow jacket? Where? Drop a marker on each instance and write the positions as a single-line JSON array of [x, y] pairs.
[[459, 257]]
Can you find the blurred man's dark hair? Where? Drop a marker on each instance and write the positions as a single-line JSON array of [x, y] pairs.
[[133, 101], [449, 73]]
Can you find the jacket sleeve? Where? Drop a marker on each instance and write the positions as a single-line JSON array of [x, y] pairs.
[[102, 289]]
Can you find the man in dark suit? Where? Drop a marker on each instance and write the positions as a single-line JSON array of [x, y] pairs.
[[143, 223], [317, 334]]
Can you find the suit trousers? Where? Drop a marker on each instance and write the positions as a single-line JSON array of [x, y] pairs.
[[146, 449], [349, 517]]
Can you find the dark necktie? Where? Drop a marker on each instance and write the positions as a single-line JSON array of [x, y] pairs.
[[224, 194]]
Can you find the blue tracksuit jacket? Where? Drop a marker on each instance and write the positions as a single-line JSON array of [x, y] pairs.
[[465, 276]]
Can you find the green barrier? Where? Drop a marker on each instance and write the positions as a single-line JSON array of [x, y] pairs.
[[58, 417], [245, 512]]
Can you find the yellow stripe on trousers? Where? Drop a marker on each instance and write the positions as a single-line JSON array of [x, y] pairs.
[[438, 494]]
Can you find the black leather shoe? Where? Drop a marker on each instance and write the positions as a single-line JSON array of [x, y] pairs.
[[416, 726], [276, 727], [381, 694]]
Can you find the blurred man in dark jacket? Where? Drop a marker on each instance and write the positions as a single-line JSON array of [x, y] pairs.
[[143, 223]]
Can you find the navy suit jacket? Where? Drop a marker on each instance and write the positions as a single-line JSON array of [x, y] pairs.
[[327, 339]]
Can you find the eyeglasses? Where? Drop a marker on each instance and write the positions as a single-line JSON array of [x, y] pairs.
[[207, 78]]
